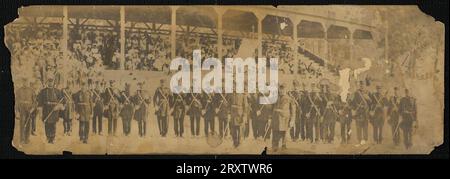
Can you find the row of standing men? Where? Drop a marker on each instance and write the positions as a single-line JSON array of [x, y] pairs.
[[304, 114]]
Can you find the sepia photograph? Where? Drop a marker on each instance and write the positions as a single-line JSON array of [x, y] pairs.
[[226, 80]]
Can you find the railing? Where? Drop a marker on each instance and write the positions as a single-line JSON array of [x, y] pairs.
[[319, 60], [311, 56]]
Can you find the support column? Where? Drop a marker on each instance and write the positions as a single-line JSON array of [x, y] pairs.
[[122, 37], [295, 22], [173, 32], [65, 36], [351, 45], [386, 48], [220, 13], [260, 18], [327, 45]]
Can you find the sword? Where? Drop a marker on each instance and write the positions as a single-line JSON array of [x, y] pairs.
[[267, 130]]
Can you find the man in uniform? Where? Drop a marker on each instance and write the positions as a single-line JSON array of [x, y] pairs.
[[345, 120], [209, 113], [194, 112], [161, 103], [253, 100], [84, 109], [408, 111], [111, 101], [141, 101], [283, 118], [264, 117], [36, 85], [25, 98], [50, 100], [330, 116], [377, 114], [360, 105], [223, 113], [322, 105], [68, 113], [312, 115], [127, 112], [394, 116], [178, 106], [98, 96], [295, 95], [238, 108], [303, 108]]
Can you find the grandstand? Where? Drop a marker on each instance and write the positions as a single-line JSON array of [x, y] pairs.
[[308, 43]]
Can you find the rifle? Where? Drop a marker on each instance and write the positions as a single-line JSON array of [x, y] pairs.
[[29, 116], [158, 90], [194, 99], [377, 100], [53, 110], [363, 101], [314, 106], [262, 106], [142, 99], [223, 100], [267, 127], [295, 98], [113, 96]]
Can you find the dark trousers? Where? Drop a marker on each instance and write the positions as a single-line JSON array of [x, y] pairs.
[[84, 131], [50, 130], [278, 136], [126, 125], [112, 126], [295, 131], [142, 127], [361, 130], [112, 119], [309, 130], [25, 126], [377, 133], [255, 127], [246, 129], [345, 129], [178, 126], [97, 119], [223, 126], [328, 131], [162, 125], [33, 121], [321, 127], [302, 126], [407, 136], [67, 124], [395, 132], [236, 134], [195, 125], [209, 125], [312, 129]]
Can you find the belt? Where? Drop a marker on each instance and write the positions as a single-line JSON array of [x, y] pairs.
[[52, 103], [83, 103], [278, 110], [25, 102]]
